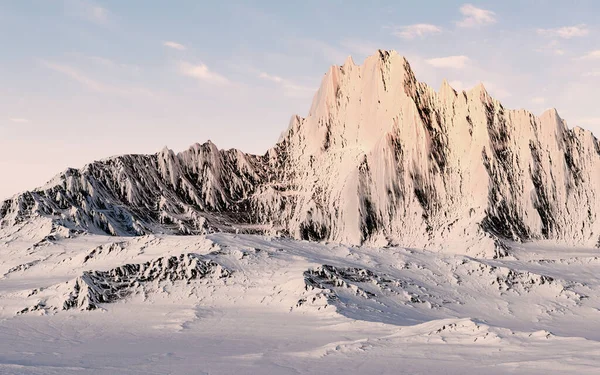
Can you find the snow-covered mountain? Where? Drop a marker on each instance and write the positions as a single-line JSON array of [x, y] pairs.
[[381, 158], [381, 161]]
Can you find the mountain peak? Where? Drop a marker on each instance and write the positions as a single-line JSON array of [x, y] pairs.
[[446, 89], [374, 88], [480, 89], [380, 158], [349, 62]]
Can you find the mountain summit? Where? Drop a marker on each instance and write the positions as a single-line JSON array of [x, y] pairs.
[[381, 158]]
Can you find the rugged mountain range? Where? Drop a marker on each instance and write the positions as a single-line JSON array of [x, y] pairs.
[[381, 158]]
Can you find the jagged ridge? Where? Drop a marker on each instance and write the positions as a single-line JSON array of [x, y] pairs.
[[381, 158]]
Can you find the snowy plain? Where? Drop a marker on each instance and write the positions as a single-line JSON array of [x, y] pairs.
[[257, 304]]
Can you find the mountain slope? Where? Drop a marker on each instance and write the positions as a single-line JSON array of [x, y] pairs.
[[380, 158], [138, 194], [253, 304]]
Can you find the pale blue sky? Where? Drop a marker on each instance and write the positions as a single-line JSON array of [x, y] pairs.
[[86, 79]]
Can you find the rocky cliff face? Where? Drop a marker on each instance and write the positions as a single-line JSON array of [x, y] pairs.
[[139, 194], [380, 158]]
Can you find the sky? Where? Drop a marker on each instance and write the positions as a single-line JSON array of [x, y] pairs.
[[81, 80]]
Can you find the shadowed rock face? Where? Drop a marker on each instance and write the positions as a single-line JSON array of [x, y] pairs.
[[97, 287], [94, 288], [380, 158]]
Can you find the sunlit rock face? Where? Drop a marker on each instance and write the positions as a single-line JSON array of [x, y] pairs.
[[381, 158]]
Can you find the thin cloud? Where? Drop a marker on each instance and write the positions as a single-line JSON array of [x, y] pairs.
[[538, 100], [566, 32], [552, 48], [290, 88], [107, 63], [588, 121], [451, 62], [92, 83], [76, 75], [358, 47], [201, 72], [99, 14], [332, 54], [458, 85], [474, 17], [417, 30], [271, 78], [591, 74], [174, 45], [19, 120], [88, 10], [102, 60], [592, 55], [496, 90]]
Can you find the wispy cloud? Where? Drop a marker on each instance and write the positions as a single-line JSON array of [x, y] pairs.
[[591, 74], [416, 30], [452, 62], [538, 100], [553, 48], [474, 17], [496, 90], [332, 54], [201, 72], [18, 120], [566, 32], [587, 121], [290, 88], [94, 84], [99, 14], [102, 60], [76, 75], [458, 85], [174, 45], [592, 55], [360, 47], [107, 63], [88, 10], [271, 78]]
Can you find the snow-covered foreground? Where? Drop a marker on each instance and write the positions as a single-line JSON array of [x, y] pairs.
[[227, 303]]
